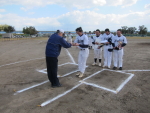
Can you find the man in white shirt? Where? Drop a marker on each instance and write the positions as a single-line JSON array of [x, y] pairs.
[[83, 43], [118, 42], [90, 40], [107, 48], [97, 48], [69, 37]]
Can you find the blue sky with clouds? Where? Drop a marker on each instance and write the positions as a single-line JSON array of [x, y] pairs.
[[69, 14]]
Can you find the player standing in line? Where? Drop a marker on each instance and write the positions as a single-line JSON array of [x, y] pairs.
[[69, 37], [97, 48], [90, 40], [65, 36], [119, 42], [83, 43], [107, 48]]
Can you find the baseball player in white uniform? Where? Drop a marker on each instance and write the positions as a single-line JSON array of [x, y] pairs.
[[83, 43], [90, 40], [69, 37], [118, 42], [107, 48], [97, 48]]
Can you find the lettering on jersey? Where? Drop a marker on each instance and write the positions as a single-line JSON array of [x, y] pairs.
[[81, 42]]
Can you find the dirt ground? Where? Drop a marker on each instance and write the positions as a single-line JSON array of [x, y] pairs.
[[20, 61]]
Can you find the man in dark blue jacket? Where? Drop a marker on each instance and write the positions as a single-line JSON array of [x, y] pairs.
[[53, 49]]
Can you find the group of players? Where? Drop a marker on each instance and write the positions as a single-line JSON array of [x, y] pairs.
[[107, 44]]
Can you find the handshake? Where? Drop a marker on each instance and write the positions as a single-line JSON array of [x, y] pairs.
[[75, 44]]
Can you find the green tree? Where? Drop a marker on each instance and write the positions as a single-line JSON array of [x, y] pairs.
[[143, 30], [124, 29], [3, 26], [30, 30], [131, 30], [9, 29]]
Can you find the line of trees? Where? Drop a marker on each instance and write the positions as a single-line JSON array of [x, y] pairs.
[[30, 30], [142, 30]]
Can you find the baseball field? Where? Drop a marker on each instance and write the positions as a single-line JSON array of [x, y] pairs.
[[24, 86]]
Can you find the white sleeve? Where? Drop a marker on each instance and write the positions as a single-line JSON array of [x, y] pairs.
[[125, 40], [76, 40], [113, 39], [86, 41]]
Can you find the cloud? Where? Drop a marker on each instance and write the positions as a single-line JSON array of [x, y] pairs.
[[43, 23], [89, 20], [2, 10], [147, 6], [79, 4]]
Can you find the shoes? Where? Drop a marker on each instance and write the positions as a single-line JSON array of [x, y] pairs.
[[120, 68], [78, 74], [114, 68], [81, 75], [53, 86], [108, 67], [94, 64], [100, 64], [104, 66]]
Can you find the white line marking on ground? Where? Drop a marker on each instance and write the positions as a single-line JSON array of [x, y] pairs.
[[20, 91], [92, 75], [21, 61], [136, 70], [118, 71], [59, 96], [69, 73], [124, 83], [71, 57], [97, 86]]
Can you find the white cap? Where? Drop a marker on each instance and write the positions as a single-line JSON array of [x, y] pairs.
[[61, 30]]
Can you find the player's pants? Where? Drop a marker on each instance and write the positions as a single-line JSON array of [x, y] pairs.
[[107, 56], [52, 67], [118, 58], [98, 53], [82, 58], [70, 40]]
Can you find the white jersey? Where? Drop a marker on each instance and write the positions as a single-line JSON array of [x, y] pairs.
[[70, 36], [82, 40], [107, 37], [97, 39], [119, 40]]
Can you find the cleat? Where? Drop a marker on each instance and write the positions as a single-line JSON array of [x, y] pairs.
[[104, 66], [120, 68], [78, 74], [100, 64], [81, 75], [94, 64], [114, 68]]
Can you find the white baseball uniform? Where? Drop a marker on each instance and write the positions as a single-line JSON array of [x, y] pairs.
[[84, 51], [107, 54], [70, 38], [90, 39], [118, 54], [97, 52]]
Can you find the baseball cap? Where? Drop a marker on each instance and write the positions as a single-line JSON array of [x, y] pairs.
[[61, 30]]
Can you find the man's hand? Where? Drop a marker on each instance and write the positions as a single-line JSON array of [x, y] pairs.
[[107, 42], [97, 43], [75, 44], [99, 47]]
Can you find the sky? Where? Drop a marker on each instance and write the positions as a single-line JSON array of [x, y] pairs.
[[50, 15]]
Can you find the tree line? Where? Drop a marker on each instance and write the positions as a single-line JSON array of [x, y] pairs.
[[142, 30]]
